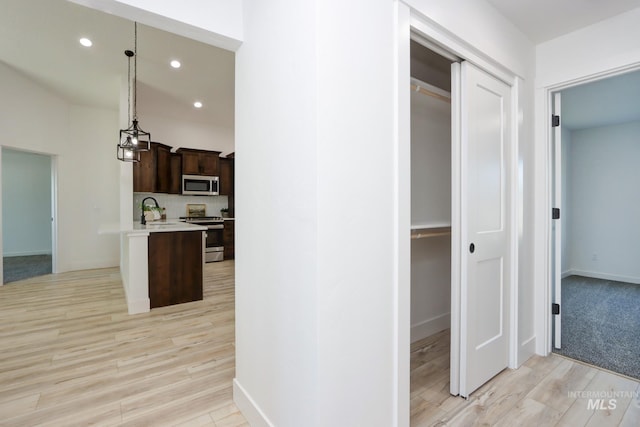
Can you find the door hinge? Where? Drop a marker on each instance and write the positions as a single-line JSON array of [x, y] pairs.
[[555, 213], [555, 308], [555, 121]]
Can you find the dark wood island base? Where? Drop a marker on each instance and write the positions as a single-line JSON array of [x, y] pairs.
[[175, 267]]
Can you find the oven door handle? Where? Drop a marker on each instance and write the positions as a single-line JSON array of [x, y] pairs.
[[215, 227]]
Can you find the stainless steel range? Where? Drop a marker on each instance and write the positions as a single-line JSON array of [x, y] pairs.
[[214, 248]]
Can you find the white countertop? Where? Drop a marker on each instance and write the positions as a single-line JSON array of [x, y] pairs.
[[170, 225], [167, 226]]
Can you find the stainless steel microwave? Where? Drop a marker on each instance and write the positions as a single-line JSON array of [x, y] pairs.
[[200, 185]]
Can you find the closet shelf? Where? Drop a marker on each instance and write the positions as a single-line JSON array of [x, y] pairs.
[[423, 233]]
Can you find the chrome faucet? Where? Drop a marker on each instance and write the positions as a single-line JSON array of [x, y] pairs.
[[143, 220]]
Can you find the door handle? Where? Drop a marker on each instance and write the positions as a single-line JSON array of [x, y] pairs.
[[472, 248]]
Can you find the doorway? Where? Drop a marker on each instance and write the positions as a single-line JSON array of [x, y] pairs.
[[461, 217], [596, 275], [27, 214]]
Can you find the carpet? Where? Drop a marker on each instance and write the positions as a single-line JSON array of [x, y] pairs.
[[23, 267], [601, 323]]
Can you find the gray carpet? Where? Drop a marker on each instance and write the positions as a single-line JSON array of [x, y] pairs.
[[601, 323], [24, 267]]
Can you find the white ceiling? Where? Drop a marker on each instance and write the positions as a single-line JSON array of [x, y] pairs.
[[40, 39], [543, 20], [604, 102]]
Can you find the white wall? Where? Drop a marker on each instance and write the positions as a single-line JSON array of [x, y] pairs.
[[430, 160], [430, 206], [82, 141], [26, 203], [430, 286], [164, 118], [604, 218], [594, 51], [277, 325]]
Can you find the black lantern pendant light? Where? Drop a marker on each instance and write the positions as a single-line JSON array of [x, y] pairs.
[[133, 140]]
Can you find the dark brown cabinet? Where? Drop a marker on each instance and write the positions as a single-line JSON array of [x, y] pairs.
[[175, 267], [226, 176], [154, 172], [199, 162], [176, 174], [163, 169], [228, 238]]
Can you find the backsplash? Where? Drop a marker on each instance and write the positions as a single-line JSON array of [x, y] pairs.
[[177, 205]]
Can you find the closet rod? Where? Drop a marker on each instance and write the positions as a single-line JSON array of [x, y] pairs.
[[424, 234], [424, 91]]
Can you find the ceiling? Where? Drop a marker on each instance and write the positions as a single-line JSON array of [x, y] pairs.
[[604, 102], [542, 20], [40, 38]]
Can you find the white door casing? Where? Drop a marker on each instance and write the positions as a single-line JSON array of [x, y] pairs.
[[557, 224], [486, 145]]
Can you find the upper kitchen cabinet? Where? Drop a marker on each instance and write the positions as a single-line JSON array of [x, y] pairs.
[[176, 174], [199, 162], [153, 173], [226, 175]]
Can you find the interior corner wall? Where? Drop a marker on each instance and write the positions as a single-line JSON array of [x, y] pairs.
[[81, 139], [604, 216], [595, 50], [26, 203]]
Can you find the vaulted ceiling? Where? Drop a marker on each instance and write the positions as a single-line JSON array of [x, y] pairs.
[[40, 38]]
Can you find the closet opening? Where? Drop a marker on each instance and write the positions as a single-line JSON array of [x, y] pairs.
[[431, 221]]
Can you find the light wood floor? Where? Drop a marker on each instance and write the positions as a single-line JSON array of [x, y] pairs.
[[71, 355], [536, 394]]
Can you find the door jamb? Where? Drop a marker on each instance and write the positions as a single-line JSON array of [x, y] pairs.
[[548, 91], [54, 209]]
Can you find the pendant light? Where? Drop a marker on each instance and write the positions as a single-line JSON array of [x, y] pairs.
[[133, 140]]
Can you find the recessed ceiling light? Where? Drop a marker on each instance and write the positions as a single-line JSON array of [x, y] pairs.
[[86, 42], [197, 104], [175, 63]]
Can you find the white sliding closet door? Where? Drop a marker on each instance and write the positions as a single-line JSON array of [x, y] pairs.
[[485, 248]]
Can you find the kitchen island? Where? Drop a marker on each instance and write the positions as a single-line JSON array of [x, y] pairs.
[[161, 263]]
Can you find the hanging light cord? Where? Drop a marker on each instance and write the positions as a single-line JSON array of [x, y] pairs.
[[129, 86], [135, 70]]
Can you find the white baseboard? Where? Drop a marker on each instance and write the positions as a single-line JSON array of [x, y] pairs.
[[135, 306], [526, 350], [138, 306], [431, 326], [603, 276], [250, 410]]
